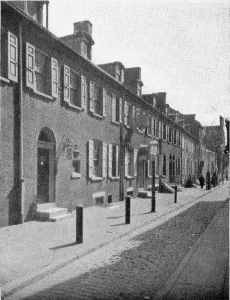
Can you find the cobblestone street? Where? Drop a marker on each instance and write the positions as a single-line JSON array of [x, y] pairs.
[[131, 267]]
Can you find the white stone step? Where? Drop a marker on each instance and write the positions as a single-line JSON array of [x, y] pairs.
[[61, 218], [44, 206], [52, 213]]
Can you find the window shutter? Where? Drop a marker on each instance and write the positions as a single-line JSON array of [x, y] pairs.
[[91, 96], [126, 162], [162, 130], [104, 101], [12, 57], [149, 168], [113, 108], [104, 160], [126, 113], [153, 127], [54, 77], [117, 160], [167, 132], [110, 161], [120, 110], [30, 66], [90, 158], [83, 92], [133, 116], [135, 161], [159, 129], [66, 84], [122, 76]]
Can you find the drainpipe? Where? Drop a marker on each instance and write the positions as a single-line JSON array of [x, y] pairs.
[[20, 85], [47, 15], [122, 152]]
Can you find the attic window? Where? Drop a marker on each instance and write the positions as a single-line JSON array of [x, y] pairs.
[[119, 73]]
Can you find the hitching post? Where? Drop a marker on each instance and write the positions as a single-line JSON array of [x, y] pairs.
[[175, 196], [153, 187], [127, 210], [79, 224]]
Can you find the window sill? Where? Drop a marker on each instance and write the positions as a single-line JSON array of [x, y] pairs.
[[75, 175], [75, 107], [96, 178], [43, 95], [115, 123], [96, 115], [114, 178], [129, 177], [4, 79]]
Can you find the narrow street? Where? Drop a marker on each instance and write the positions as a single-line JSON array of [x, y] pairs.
[[134, 267]]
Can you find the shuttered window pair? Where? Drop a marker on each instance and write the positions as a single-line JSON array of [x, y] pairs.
[[75, 88], [41, 71], [98, 99], [97, 159], [116, 109], [9, 55]]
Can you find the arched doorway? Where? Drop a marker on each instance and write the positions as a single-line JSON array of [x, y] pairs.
[[45, 166]]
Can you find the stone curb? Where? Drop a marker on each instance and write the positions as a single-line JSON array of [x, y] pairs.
[[174, 277], [18, 284]]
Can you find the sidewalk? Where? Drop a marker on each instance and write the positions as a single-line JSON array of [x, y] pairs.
[[204, 271], [30, 250]]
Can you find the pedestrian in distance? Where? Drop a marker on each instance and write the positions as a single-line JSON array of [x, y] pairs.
[[214, 179], [208, 181], [201, 180]]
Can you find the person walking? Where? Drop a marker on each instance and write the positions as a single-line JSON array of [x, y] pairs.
[[201, 180]]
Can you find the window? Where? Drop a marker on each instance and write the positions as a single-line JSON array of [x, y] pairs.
[[174, 137], [119, 74], [164, 164], [150, 126], [128, 114], [33, 10], [84, 49], [98, 97], [129, 162], [156, 128], [170, 135], [117, 109], [41, 72], [164, 131], [75, 88], [139, 90], [154, 101], [97, 159], [9, 55], [113, 161], [141, 120]]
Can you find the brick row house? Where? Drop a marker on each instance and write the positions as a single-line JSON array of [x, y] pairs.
[[76, 133]]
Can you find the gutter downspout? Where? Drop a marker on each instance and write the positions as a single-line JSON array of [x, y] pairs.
[[47, 15], [122, 152], [22, 180]]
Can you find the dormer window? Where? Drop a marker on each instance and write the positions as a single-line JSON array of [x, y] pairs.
[[139, 90], [119, 73], [84, 49], [154, 102]]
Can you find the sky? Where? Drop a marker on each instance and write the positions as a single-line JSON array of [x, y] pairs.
[[182, 47]]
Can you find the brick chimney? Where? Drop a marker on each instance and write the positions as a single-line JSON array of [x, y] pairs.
[[81, 40]]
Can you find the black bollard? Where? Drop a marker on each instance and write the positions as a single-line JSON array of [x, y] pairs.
[[153, 209], [79, 224], [127, 210], [175, 196]]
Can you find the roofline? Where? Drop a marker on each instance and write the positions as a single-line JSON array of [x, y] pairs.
[[20, 12]]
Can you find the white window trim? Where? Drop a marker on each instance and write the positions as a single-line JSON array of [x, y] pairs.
[[11, 76], [92, 99]]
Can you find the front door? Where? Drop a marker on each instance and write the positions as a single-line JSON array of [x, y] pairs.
[[43, 175]]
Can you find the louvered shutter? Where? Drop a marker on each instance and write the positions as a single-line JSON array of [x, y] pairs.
[[104, 160], [90, 159], [153, 126], [126, 162], [126, 113], [91, 97], [30, 66], [162, 129], [110, 160], [54, 77], [104, 101], [133, 116], [113, 108], [149, 168], [122, 76], [135, 161], [83, 92], [120, 110], [12, 57], [66, 84], [117, 160]]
